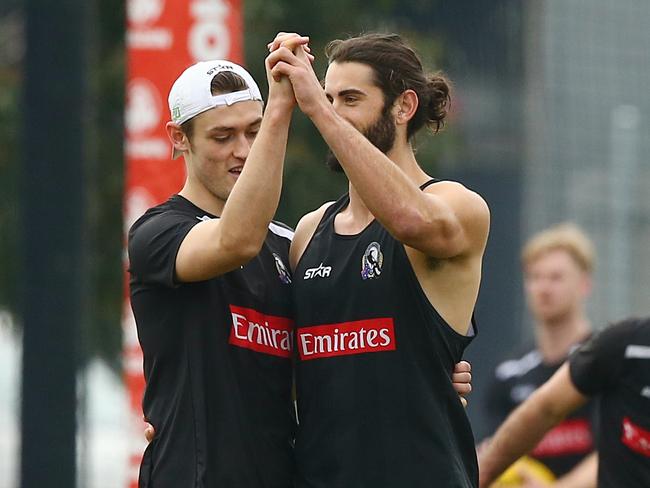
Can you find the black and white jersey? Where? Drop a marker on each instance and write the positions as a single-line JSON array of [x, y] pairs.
[[217, 360], [615, 367], [514, 380], [376, 404]]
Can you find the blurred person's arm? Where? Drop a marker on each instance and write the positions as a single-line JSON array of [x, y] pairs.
[[584, 475], [526, 426]]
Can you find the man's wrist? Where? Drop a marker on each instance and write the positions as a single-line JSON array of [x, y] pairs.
[[278, 111]]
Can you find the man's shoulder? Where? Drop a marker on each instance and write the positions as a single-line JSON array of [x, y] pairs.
[[173, 208], [621, 335], [308, 222]]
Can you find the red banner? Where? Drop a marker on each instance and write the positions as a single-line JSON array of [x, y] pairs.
[[163, 38]]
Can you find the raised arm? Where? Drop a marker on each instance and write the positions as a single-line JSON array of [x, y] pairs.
[[220, 245], [445, 221], [526, 426]]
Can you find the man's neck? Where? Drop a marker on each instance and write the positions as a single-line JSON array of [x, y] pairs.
[[202, 198], [555, 339]]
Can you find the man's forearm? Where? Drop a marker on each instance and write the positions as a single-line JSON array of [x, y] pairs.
[[520, 433], [254, 199], [526, 426], [383, 186]]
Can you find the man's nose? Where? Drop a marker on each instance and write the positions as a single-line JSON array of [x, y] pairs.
[[242, 147]]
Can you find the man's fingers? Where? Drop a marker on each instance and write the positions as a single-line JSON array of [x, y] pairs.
[[149, 432], [463, 367], [283, 39], [461, 377], [281, 61], [280, 69]]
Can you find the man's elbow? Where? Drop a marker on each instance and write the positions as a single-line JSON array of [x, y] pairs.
[[439, 237], [241, 252]]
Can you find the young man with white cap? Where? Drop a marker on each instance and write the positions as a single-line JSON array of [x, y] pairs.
[[210, 290]]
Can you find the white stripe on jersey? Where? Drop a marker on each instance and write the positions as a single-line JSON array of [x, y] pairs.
[[637, 352], [518, 367], [278, 230]]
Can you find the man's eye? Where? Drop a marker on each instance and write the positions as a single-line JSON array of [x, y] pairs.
[[221, 138], [253, 133], [350, 99]]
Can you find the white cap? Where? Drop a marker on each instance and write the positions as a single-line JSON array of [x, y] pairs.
[[191, 95]]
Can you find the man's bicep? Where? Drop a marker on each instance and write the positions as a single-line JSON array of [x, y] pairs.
[[467, 211]]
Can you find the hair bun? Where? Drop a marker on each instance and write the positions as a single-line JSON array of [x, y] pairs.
[[438, 102]]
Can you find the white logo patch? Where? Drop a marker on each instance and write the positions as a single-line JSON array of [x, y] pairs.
[[318, 272], [372, 261], [634, 351], [283, 273]]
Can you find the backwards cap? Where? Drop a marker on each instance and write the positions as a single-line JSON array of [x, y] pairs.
[[191, 95]]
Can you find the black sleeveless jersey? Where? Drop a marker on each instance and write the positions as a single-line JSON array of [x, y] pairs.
[[376, 405], [217, 360], [614, 366], [514, 380]]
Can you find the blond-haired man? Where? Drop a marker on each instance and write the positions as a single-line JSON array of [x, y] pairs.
[[558, 265]]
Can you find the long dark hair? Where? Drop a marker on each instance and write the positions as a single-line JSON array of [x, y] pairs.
[[397, 68]]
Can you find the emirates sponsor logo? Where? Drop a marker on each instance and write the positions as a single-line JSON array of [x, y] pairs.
[[345, 338], [268, 334], [569, 437], [635, 437]]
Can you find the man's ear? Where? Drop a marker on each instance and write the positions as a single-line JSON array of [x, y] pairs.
[[405, 106], [177, 137]]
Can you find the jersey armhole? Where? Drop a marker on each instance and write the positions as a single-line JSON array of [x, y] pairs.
[[311, 238]]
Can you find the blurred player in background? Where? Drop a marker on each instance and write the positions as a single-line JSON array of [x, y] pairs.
[[558, 265], [614, 368]]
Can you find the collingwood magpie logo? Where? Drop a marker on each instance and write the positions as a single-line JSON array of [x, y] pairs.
[[371, 262], [283, 273], [319, 271]]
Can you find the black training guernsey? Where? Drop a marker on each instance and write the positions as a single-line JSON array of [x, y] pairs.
[[376, 404], [217, 360], [515, 379], [615, 367]]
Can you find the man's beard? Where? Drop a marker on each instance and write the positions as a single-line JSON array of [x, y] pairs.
[[381, 134]]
